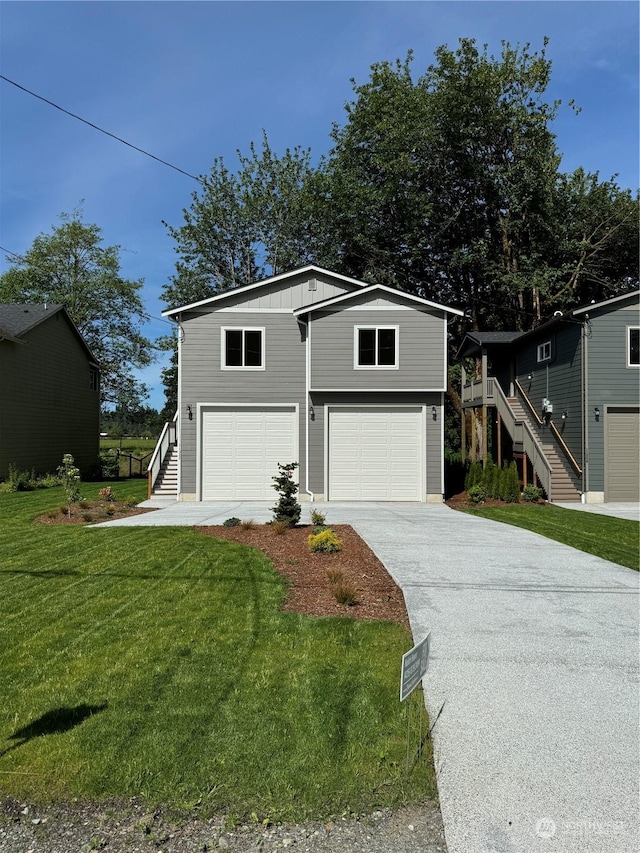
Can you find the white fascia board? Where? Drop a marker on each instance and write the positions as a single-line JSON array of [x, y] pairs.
[[377, 391], [606, 302], [371, 288], [245, 288]]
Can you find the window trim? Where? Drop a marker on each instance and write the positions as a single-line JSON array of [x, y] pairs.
[[630, 363], [540, 351], [94, 378], [243, 329], [376, 327]]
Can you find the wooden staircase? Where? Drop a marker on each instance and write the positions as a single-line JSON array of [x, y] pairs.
[[166, 484], [565, 482]]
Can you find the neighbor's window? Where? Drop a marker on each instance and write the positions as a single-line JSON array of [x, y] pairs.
[[633, 346], [544, 351], [376, 346], [243, 348]]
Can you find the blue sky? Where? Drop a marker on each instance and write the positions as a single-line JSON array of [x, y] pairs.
[[191, 81]]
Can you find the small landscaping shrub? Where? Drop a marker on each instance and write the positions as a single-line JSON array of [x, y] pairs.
[[86, 516], [287, 508], [280, 527], [231, 522], [47, 482], [531, 493], [247, 524], [344, 593], [321, 528], [509, 483], [83, 504], [326, 541], [69, 477], [109, 511], [131, 502], [110, 465], [334, 575], [19, 481], [476, 494], [318, 519], [107, 494], [474, 475]]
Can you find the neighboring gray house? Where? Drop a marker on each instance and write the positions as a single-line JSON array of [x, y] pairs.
[[49, 391], [346, 379], [563, 400]]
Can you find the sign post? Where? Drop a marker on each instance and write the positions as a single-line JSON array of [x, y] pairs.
[[414, 665]]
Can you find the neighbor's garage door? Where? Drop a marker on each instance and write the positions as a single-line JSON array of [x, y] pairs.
[[375, 454], [241, 449], [622, 454]]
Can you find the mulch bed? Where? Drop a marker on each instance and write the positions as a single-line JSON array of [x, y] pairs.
[[311, 591], [91, 512]]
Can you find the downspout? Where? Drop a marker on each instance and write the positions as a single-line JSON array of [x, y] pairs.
[[585, 412], [306, 408]]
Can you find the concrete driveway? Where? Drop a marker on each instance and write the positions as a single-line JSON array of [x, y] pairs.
[[533, 675]]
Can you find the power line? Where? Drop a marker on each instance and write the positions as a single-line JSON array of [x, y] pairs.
[[102, 130]]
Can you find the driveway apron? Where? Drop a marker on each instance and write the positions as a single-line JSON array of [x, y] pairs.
[[532, 681]]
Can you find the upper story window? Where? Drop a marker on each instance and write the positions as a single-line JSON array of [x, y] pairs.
[[633, 346], [376, 346], [243, 349], [544, 351], [94, 379]]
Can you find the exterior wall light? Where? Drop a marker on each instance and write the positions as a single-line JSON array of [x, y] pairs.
[[190, 412], [596, 412], [530, 377], [312, 414], [434, 413], [564, 415]]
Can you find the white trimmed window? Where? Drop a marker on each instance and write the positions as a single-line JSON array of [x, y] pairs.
[[242, 348], [376, 347], [633, 346], [544, 351]]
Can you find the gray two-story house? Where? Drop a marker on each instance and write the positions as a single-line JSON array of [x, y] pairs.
[[563, 400], [345, 378]]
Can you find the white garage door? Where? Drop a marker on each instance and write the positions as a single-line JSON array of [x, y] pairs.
[[241, 449], [622, 454], [375, 454]]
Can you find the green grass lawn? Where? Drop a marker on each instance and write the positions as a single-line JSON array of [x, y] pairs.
[[155, 662], [614, 539]]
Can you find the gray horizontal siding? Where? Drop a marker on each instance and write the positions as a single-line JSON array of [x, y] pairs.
[[421, 350], [203, 380], [47, 407], [609, 380]]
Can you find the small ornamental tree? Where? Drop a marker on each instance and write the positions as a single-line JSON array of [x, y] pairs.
[[287, 508], [69, 477]]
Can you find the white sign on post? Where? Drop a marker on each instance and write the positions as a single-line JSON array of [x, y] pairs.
[[414, 666]]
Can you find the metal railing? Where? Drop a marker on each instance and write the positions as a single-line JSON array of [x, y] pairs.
[[168, 438], [521, 433]]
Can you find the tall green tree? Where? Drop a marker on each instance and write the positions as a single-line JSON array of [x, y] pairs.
[[71, 266], [244, 225]]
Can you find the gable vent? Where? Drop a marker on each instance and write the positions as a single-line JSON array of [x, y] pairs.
[[313, 284]]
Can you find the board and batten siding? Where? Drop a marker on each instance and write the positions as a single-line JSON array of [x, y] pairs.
[[609, 380], [289, 294], [558, 379], [421, 349], [203, 381], [47, 406]]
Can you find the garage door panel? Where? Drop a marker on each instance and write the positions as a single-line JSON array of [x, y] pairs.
[[622, 458], [375, 453], [241, 450]]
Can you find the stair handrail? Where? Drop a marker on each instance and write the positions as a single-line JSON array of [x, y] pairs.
[[553, 427], [167, 439], [530, 444]]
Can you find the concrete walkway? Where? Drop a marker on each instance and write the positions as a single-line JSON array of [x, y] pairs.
[[533, 676]]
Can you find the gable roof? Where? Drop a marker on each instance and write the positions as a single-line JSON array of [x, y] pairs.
[[265, 282], [371, 288], [16, 319], [473, 341], [607, 302]]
